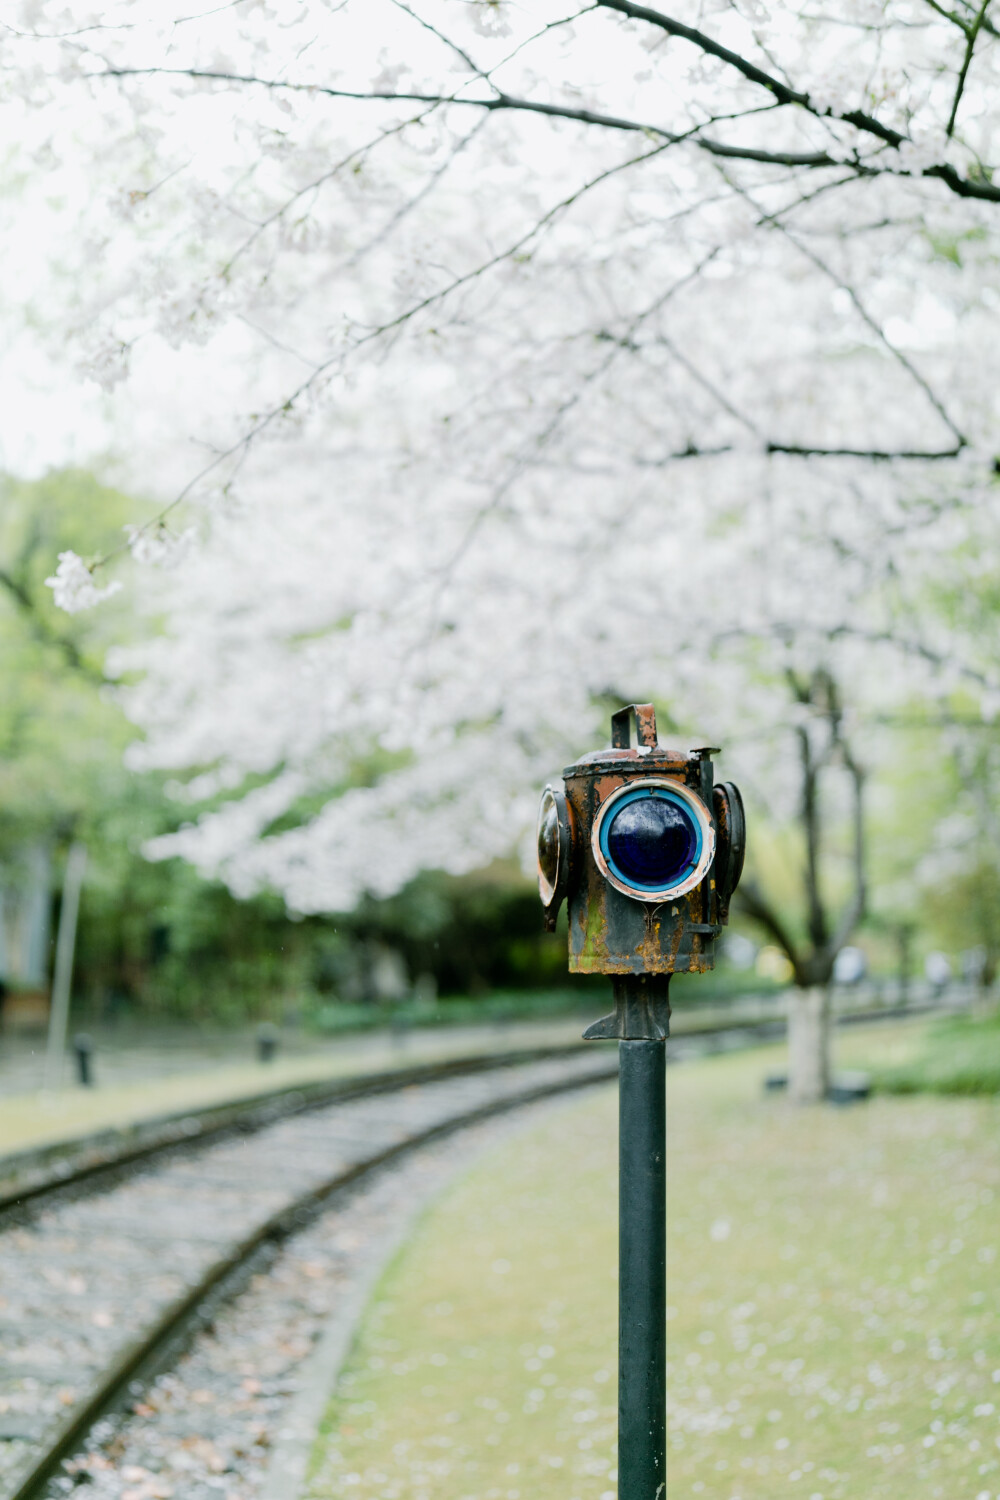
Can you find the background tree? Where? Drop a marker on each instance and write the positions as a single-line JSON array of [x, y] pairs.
[[823, 751], [55, 733], [156, 940], [594, 341]]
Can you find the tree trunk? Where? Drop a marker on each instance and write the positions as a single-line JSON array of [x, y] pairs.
[[26, 917], [809, 1045]]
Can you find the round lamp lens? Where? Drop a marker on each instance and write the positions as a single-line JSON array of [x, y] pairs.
[[548, 844], [653, 842]]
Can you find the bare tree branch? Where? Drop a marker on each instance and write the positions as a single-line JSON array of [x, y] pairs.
[[970, 46], [781, 91], [268, 419], [810, 765], [459, 52], [878, 455], [555, 419], [317, 182], [915, 375], [964, 187], [707, 385], [751, 900], [417, 198], [855, 909], [788, 630]]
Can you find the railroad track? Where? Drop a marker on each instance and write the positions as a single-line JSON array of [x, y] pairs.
[[29, 1179], [105, 1282], [110, 1260]]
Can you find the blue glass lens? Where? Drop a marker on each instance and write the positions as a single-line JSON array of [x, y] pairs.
[[652, 842]]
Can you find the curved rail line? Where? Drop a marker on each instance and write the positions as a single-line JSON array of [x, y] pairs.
[[30, 1179], [162, 1248]]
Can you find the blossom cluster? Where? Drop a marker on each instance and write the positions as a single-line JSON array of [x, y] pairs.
[[73, 586], [498, 415]]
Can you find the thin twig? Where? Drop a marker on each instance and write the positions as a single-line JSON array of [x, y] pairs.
[[970, 47]]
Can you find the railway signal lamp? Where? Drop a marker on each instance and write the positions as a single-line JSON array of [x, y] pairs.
[[646, 849]]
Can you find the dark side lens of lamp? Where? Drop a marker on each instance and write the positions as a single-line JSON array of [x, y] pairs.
[[548, 843], [652, 842]]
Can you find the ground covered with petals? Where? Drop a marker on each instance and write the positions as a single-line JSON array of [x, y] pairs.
[[832, 1318]]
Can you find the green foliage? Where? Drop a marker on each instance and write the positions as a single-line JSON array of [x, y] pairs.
[[473, 934], [966, 911], [60, 737], [157, 936], [957, 1056], [949, 246], [719, 985], [499, 1007], [160, 938]]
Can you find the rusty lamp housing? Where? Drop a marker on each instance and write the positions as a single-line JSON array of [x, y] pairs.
[[645, 848]]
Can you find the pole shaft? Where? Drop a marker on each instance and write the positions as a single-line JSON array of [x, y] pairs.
[[76, 864], [642, 1272]]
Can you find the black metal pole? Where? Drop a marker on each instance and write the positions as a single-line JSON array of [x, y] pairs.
[[83, 1048], [267, 1042], [641, 1023], [642, 1272]]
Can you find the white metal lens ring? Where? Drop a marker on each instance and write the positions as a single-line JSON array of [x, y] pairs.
[[662, 789]]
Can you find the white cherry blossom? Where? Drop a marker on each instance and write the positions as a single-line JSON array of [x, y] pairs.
[[73, 587], [511, 362]]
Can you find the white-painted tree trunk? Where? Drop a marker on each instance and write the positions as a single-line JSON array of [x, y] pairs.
[[809, 1045], [26, 917]]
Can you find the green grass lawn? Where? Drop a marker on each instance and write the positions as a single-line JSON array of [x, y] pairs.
[[833, 1290], [957, 1055]]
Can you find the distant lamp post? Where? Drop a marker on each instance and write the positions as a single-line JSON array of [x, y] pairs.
[[62, 979]]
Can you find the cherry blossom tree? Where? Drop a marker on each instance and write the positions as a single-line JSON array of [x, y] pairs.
[[507, 360]]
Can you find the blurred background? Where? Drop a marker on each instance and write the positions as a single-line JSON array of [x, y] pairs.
[[162, 949], [157, 943], [160, 945], [387, 399]]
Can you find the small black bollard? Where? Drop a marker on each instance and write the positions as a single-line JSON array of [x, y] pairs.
[[845, 1088], [267, 1042], [849, 1088], [83, 1048]]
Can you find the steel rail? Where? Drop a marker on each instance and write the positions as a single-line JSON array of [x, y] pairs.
[[101, 1160], [160, 1344], [105, 1161]]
